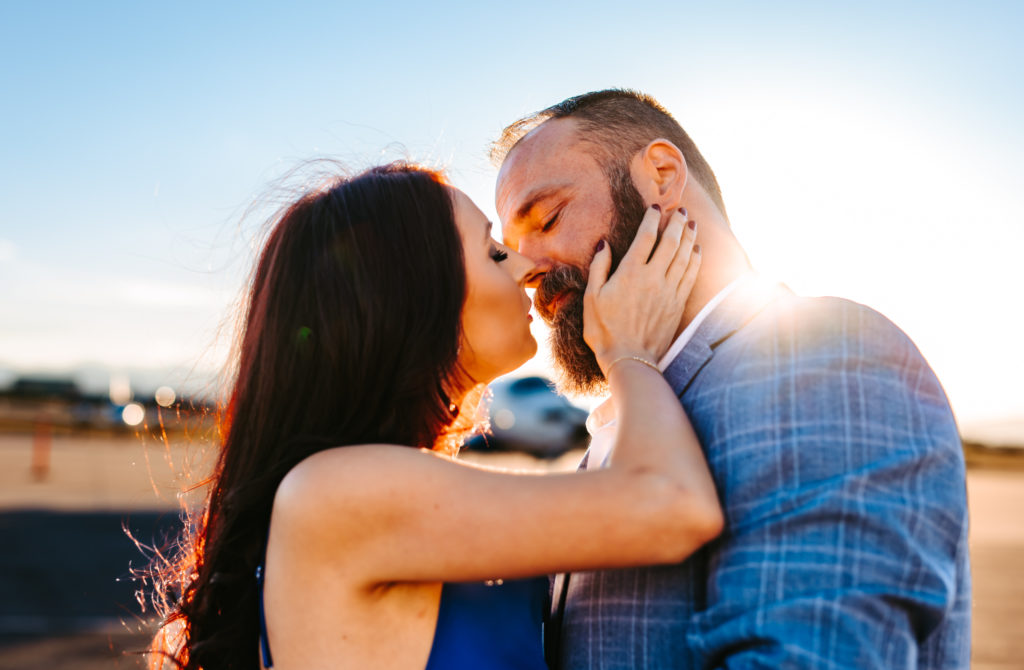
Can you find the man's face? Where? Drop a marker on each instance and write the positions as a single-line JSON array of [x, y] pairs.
[[555, 204]]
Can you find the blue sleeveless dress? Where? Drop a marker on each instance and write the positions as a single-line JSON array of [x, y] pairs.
[[494, 625]]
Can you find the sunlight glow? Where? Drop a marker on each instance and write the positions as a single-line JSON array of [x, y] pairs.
[[862, 201]]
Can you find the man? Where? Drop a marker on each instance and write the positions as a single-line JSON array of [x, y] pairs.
[[832, 444]]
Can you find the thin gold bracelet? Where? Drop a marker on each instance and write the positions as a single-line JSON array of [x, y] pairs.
[[639, 359]]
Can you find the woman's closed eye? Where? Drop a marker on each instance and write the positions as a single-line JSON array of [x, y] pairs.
[[498, 255]]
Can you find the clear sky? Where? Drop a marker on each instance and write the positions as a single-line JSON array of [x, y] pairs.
[[871, 150]]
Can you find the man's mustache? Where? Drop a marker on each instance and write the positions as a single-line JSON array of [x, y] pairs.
[[557, 281]]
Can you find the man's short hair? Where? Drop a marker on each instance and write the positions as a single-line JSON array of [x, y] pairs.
[[615, 124]]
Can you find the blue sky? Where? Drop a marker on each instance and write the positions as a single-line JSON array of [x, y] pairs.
[[869, 149]]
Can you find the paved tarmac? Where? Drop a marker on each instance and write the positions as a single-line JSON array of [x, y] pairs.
[[72, 571], [67, 593]]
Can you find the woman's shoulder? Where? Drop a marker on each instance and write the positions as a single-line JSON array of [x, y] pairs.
[[322, 481], [355, 456]]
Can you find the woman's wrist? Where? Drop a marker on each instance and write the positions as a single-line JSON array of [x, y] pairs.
[[608, 360], [640, 360]]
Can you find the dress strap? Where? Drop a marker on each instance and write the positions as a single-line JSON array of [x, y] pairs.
[[268, 661]]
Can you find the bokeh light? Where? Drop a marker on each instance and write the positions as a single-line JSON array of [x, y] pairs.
[[120, 389], [165, 396], [133, 414], [504, 419]]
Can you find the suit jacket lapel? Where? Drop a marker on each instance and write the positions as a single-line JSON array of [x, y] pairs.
[[553, 623], [739, 307]]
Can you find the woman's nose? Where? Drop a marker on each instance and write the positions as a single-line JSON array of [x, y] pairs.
[[524, 270]]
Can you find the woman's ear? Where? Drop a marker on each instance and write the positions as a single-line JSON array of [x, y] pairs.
[[659, 173]]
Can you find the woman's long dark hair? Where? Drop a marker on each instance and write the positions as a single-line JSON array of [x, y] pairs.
[[350, 335]]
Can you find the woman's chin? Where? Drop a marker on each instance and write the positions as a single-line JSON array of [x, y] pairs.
[[532, 348], [514, 363], [529, 351], [504, 363]]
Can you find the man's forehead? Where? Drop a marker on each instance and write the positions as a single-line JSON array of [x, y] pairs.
[[549, 138], [535, 167]]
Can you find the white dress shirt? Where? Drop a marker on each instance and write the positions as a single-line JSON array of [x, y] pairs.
[[601, 422]]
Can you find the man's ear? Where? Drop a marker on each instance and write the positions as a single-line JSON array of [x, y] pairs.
[[659, 173]]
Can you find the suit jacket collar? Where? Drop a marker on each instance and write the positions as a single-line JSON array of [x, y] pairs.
[[748, 299]]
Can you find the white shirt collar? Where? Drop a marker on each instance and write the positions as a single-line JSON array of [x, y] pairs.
[[691, 328], [602, 417]]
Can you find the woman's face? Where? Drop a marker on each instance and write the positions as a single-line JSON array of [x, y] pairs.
[[495, 319]]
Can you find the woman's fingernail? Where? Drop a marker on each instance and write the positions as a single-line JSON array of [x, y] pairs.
[[692, 225], [696, 248], [682, 210], [656, 207], [600, 245]]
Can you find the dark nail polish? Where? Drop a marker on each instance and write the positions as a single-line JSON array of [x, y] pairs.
[[657, 207], [600, 245], [682, 210], [696, 248], [692, 225]]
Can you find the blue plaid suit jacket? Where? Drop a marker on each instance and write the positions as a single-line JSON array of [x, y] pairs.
[[840, 471]]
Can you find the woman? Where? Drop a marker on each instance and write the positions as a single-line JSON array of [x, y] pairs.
[[378, 309]]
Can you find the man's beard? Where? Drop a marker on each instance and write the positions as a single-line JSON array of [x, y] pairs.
[[579, 373]]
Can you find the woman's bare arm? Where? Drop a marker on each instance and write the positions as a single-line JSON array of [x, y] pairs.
[[394, 514]]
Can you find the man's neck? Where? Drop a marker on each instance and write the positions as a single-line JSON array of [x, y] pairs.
[[723, 262]]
